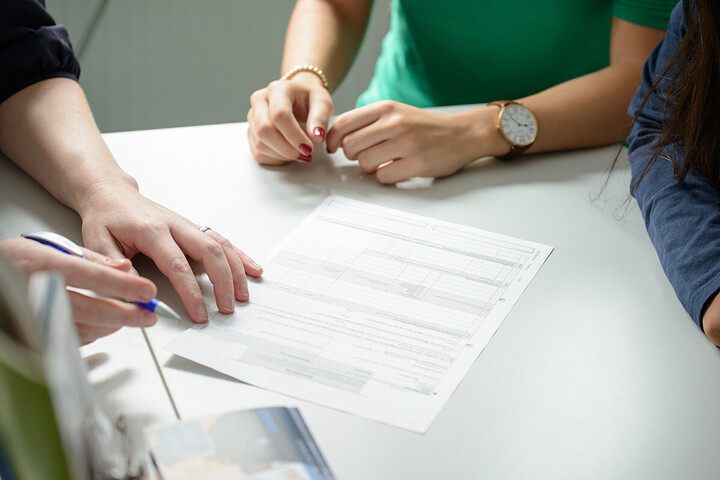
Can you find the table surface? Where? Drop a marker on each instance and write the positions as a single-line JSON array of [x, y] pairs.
[[597, 372]]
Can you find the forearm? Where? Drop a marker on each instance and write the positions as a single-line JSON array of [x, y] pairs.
[[683, 222], [48, 130], [590, 110], [587, 111], [327, 34]]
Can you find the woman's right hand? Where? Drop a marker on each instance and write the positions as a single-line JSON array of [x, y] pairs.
[[94, 317], [287, 118]]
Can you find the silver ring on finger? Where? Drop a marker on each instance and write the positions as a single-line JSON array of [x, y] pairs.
[[205, 229]]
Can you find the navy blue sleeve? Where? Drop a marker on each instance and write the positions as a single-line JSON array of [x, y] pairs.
[[32, 47], [682, 217]]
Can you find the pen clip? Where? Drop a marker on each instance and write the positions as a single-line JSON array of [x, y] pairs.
[[56, 241]]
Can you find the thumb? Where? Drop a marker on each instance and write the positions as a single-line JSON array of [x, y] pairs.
[[100, 240], [321, 108]]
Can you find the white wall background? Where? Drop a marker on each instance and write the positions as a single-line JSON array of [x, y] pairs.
[[166, 63]]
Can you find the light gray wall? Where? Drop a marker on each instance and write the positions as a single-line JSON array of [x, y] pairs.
[[159, 63]]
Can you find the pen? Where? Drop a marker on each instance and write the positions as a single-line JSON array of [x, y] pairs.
[[65, 245]]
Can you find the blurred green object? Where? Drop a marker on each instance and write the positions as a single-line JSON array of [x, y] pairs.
[[28, 427]]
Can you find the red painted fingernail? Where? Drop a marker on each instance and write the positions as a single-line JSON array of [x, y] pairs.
[[319, 132], [304, 158], [306, 149]]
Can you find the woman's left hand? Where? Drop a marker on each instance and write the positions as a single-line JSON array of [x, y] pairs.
[[396, 141], [119, 222]]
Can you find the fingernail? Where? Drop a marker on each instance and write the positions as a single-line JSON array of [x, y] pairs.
[[146, 293], [256, 266], [243, 294], [202, 315], [319, 132], [148, 319], [304, 158], [229, 303], [306, 149]]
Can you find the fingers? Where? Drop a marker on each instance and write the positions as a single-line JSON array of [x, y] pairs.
[[160, 246], [372, 137], [262, 154], [280, 113], [101, 241], [221, 268], [251, 267], [122, 264], [399, 170], [98, 317], [355, 120], [374, 157], [89, 333], [237, 266], [321, 109], [274, 131], [267, 140], [102, 247], [103, 279]]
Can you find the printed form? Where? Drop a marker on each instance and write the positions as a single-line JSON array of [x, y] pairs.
[[369, 310]]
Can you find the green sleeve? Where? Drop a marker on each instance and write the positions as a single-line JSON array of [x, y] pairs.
[[649, 13]]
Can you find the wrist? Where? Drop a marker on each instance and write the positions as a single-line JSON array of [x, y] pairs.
[[307, 78], [98, 192], [483, 137], [307, 69]]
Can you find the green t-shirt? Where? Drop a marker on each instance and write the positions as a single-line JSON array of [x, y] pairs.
[[471, 51]]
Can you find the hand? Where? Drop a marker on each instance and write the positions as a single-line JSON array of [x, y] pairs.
[[396, 141], [94, 317], [287, 117], [120, 222], [711, 320]]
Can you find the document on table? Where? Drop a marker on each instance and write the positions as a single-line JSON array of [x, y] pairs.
[[369, 310]]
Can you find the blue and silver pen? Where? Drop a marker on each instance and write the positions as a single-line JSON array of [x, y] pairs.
[[61, 243]]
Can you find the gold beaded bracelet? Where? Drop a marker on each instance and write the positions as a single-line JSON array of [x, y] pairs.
[[307, 68]]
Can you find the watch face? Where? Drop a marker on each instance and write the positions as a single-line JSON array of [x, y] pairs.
[[518, 125]]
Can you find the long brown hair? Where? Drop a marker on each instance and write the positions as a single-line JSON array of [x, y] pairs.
[[692, 102]]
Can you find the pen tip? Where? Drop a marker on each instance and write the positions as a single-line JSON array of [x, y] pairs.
[[164, 310]]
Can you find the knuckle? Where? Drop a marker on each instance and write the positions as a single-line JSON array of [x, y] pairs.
[[397, 124], [365, 165], [155, 228], [264, 129], [350, 148], [339, 123], [222, 240], [212, 247], [180, 265], [386, 106], [278, 115], [326, 103], [255, 144], [257, 96]]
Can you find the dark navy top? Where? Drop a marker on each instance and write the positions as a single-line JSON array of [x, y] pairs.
[[32, 47], [682, 217]]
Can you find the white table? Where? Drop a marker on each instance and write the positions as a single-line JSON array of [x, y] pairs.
[[597, 372]]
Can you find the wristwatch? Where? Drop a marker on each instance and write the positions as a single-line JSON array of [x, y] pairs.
[[517, 125]]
